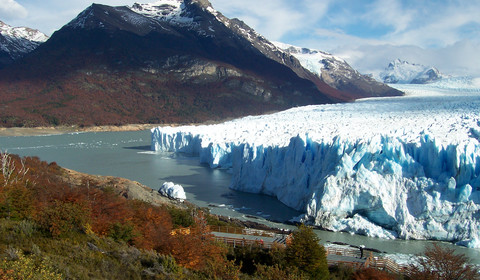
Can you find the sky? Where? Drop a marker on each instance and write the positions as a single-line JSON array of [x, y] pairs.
[[368, 34]]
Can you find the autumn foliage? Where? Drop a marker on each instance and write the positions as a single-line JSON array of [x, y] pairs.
[[196, 249], [372, 274], [61, 210], [442, 263]]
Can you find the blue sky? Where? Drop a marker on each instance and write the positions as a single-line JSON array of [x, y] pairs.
[[367, 33]]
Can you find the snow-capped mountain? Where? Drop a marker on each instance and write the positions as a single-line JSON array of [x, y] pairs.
[[335, 71], [199, 16], [402, 72], [15, 42], [168, 61]]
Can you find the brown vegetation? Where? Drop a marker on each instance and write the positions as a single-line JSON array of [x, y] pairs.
[[40, 194], [442, 263], [94, 97]]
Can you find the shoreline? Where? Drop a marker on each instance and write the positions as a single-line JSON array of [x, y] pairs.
[[56, 130]]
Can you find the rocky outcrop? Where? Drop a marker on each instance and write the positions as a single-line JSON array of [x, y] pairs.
[[120, 186]]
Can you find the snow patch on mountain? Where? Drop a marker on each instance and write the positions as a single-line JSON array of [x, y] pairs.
[[405, 167], [22, 33], [402, 72], [172, 11], [336, 72], [313, 60], [17, 41], [185, 14]]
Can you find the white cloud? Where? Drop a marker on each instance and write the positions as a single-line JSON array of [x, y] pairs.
[[389, 13], [10, 10], [460, 58], [332, 39], [438, 25], [274, 18]]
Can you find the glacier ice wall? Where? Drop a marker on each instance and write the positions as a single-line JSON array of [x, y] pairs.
[[414, 176]]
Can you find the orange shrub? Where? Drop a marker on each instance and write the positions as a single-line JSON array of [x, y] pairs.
[[372, 274], [197, 249]]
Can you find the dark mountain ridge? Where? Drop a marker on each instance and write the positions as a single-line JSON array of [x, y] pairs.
[[180, 61]]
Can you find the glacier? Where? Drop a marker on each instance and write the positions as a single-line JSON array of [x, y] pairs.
[[404, 167]]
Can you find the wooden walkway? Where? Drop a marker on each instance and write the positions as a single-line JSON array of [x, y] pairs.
[[244, 242], [352, 257], [238, 237]]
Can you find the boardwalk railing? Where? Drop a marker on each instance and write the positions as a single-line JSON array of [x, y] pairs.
[[348, 252], [243, 231], [242, 242], [226, 229], [387, 265], [379, 263]]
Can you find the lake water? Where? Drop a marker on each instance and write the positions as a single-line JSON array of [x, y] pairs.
[[128, 155]]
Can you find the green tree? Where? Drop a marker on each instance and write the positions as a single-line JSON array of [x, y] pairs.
[[61, 218], [16, 202], [125, 232], [305, 252]]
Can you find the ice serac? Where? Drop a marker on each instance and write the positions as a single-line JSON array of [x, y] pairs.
[[393, 168]]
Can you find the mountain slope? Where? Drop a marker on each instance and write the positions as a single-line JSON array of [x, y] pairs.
[[170, 61], [337, 73], [15, 42], [403, 72]]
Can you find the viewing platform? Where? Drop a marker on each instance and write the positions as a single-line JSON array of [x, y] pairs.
[[336, 254]]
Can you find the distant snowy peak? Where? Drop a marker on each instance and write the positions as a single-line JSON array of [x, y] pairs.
[[336, 72], [22, 33], [403, 72], [314, 60], [15, 42]]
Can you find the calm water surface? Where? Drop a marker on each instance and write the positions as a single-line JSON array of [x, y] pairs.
[[128, 155]]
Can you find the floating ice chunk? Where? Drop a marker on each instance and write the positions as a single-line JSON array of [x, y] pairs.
[[173, 191]]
